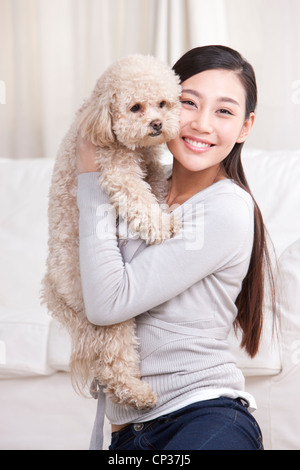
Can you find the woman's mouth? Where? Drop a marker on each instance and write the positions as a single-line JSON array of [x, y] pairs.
[[197, 144]]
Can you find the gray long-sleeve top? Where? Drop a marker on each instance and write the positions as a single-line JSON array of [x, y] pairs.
[[182, 292]]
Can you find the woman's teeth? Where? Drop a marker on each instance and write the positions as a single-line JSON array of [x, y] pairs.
[[197, 144]]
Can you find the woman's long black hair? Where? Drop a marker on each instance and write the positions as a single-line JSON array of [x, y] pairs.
[[250, 300]]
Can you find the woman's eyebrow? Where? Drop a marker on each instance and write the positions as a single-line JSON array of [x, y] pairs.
[[228, 100], [192, 92], [222, 99]]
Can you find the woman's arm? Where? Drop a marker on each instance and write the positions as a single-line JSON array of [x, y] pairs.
[[115, 291]]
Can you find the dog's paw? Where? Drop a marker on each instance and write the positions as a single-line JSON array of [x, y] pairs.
[[156, 228], [133, 392], [169, 226], [143, 400]]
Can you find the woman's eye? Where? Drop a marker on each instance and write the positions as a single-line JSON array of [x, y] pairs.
[[136, 108], [224, 111], [187, 102]]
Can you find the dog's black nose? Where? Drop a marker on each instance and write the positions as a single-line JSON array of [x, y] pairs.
[[156, 125]]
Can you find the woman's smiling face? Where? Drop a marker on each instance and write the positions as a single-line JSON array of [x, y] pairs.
[[212, 119]]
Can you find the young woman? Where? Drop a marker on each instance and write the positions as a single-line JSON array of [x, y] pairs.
[[186, 297]]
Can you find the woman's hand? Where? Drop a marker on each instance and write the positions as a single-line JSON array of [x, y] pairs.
[[85, 155]]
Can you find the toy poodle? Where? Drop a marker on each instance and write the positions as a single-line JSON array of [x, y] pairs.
[[134, 108]]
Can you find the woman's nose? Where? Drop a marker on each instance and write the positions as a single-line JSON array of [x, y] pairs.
[[203, 122]]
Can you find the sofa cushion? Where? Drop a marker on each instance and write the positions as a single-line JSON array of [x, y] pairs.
[[24, 324], [24, 343], [274, 181], [273, 177], [283, 393], [24, 186], [268, 360], [289, 265]]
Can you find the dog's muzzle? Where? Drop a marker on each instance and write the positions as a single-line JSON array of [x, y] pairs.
[[157, 128]]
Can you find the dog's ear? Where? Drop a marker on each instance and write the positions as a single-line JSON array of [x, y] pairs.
[[95, 121]]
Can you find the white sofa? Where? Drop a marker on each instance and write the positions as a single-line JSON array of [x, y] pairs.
[[38, 407]]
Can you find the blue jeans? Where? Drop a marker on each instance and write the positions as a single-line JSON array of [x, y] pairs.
[[218, 424]]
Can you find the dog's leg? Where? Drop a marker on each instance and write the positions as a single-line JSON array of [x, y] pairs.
[[63, 279], [135, 202], [117, 366], [155, 173]]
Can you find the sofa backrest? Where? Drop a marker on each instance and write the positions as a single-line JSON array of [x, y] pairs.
[[30, 341]]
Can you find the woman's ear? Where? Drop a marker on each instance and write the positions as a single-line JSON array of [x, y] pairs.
[[246, 129], [95, 120]]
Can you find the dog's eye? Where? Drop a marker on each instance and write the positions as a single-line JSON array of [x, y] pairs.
[[136, 108], [162, 104]]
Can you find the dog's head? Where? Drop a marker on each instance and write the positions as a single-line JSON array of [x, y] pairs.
[[135, 102]]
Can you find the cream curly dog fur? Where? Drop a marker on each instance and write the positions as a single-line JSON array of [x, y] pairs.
[[133, 108]]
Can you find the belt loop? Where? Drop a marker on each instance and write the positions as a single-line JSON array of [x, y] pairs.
[[243, 402]]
